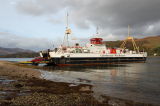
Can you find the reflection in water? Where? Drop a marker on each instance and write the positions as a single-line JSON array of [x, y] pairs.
[[137, 81], [80, 74], [113, 74]]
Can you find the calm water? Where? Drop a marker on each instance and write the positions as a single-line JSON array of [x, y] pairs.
[[16, 59], [136, 81]]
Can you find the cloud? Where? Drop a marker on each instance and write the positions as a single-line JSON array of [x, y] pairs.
[[10, 40], [39, 7], [112, 16]]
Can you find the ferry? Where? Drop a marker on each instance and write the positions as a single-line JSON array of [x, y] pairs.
[[93, 53]]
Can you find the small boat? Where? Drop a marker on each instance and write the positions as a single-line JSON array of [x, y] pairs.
[[36, 61]]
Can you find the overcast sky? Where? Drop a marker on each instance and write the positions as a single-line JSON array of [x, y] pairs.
[[40, 24]]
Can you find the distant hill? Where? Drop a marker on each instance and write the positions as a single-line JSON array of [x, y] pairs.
[[6, 51], [17, 53], [21, 55], [149, 44]]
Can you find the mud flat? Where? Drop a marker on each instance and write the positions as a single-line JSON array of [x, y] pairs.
[[22, 86]]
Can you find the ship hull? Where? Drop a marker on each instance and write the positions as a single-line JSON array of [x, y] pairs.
[[96, 61]]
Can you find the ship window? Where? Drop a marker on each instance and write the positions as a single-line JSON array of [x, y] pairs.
[[78, 51], [72, 51]]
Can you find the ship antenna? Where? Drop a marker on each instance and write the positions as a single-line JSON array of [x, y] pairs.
[[97, 31], [128, 30]]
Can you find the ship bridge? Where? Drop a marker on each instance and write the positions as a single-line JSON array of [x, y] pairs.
[[96, 41]]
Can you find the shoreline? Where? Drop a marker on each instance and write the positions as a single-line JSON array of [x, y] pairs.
[[25, 87]]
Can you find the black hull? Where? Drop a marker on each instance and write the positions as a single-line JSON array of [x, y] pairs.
[[96, 61]]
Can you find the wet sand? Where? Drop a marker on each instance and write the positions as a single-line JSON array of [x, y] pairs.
[[10, 69], [22, 85]]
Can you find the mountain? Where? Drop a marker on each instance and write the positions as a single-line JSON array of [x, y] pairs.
[[7, 51], [150, 44], [21, 55]]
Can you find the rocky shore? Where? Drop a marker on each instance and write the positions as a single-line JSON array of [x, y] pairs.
[[23, 86]]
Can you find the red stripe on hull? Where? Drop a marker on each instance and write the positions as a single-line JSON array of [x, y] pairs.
[[89, 64]]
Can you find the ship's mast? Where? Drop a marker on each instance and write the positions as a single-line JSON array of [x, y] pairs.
[[67, 32]]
